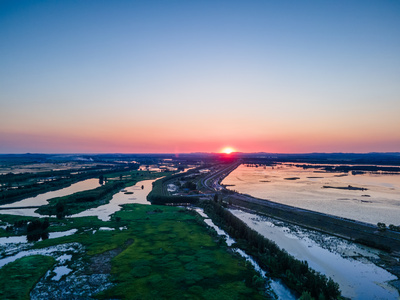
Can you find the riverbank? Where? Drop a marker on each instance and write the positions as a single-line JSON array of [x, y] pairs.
[[353, 231], [354, 267], [296, 274], [349, 229], [151, 252]]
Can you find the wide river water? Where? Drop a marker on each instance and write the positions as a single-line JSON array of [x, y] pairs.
[[348, 264], [42, 199], [304, 188]]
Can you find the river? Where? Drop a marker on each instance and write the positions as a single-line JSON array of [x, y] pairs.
[[347, 263], [41, 199], [139, 196], [379, 201], [280, 290]]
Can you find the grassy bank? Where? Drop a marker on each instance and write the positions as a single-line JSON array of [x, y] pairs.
[[152, 252], [296, 274], [19, 277], [80, 201]]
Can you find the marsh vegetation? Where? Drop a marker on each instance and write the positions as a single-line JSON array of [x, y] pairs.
[[162, 251]]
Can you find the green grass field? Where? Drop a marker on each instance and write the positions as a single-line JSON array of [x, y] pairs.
[[19, 277], [172, 256], [155, 252]]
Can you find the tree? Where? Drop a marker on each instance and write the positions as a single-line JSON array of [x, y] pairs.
[[101, 179], [381, 226], [215, 198], [60, 207], [306, 296], [332, 289], [45, 224], [60, 210]]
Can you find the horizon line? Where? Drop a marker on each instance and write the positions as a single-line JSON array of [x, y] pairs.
[[191, 153]]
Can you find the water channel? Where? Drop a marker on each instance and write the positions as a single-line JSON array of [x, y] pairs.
[[347, 263], [280, 290], [139, 196], [41, 199], [368, 197]]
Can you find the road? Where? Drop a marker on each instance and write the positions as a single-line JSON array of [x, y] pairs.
[[211, 181], [334, 225]]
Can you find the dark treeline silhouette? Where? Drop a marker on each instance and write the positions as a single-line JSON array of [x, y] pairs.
[[358, 169], [21, 177], [38, 225], [296, 274], [35, 230]]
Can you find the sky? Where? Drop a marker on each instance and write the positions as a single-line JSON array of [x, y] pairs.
[[197, 76]]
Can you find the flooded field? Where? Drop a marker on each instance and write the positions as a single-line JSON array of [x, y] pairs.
[[349, 264], [372, 198], [133, 194], [368, 197], [281, 291], [41, 199]]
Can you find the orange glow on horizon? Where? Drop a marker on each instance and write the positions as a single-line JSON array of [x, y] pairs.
[[228, 150]]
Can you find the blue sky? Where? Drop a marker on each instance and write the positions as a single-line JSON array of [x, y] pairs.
[[182, 76]]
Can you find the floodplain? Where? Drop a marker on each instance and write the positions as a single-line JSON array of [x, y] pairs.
[[102, 247], [107, 244], [369, 197]]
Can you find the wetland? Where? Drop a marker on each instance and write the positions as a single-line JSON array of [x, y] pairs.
[[342, 194], [111, 242]]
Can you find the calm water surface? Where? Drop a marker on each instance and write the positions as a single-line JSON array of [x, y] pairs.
[[102, 212], [379, 202], [41, 199], [347, 263], [139, 195]]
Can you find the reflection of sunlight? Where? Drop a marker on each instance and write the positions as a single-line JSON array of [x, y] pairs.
[[227, 150], [377, 203]]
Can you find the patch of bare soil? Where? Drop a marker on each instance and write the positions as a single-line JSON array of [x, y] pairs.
[[101, 263]]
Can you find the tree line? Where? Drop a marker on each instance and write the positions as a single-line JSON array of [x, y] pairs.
[[296, 274], [35, 229]]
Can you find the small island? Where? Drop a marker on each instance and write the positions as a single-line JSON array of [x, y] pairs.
[[349, 187], [292, 178]]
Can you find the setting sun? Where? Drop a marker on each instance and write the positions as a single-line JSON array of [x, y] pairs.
[[228, 150]]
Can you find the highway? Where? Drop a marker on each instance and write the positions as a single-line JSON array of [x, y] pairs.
[[210, 182], [334, 225]]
